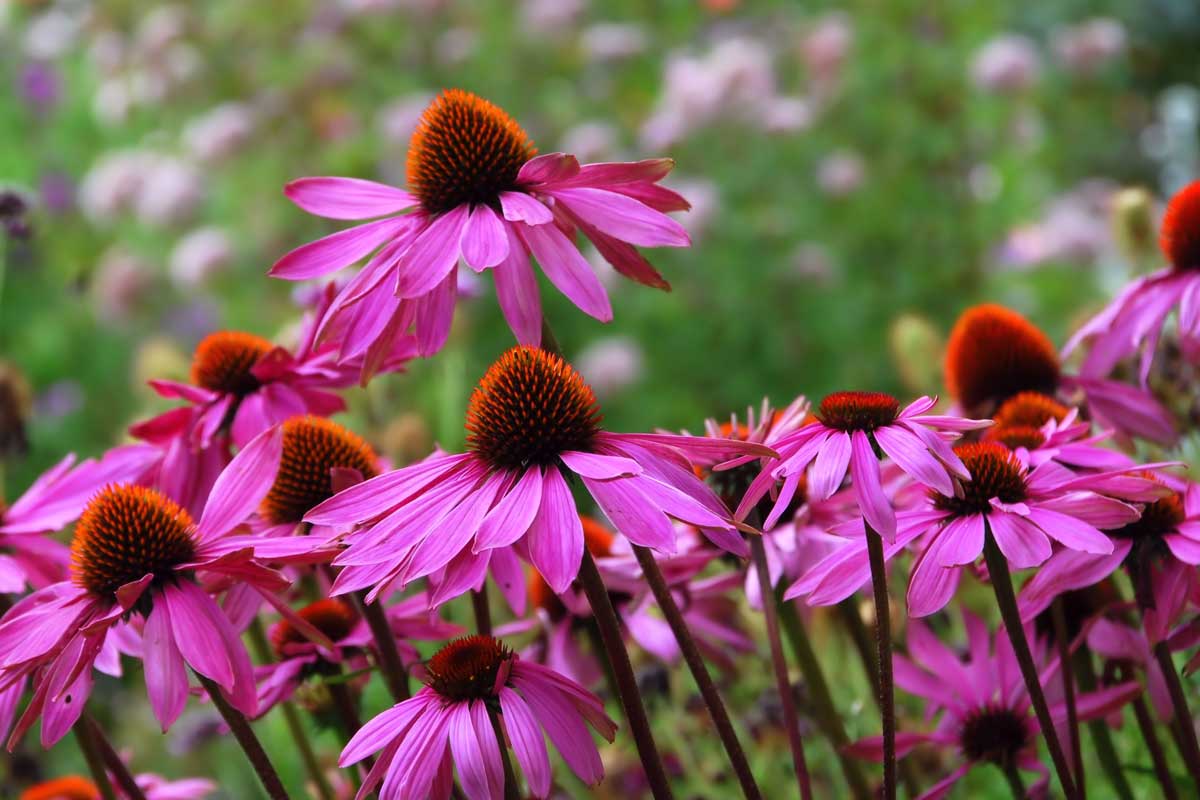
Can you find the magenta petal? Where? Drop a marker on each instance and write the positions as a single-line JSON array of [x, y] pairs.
[[599, 466], [638, 520], [521, 207], [623, 217], [1071, 532], [568, 270], [242, 485], [518, 294], [911, 455], [484, 239], [961, 541], [430, 258], [194, 621], [385, 727], [469, 755], [931, 585], [337, 250], [1185, 549], [527, 742], [166, 677], [435, 313], [565, 727], [555, 539], [829, 468], [347, 198], [872, 502], [1021, 542], [548, 168], [511, 517]]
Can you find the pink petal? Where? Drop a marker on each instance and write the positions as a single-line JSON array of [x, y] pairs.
[[829, 468], [527, 742], [555, 539], [599, 466], [347, 198], [638, 520], [517, 292], [623, 217], [337, 250], [469, 755], [1071, 532], [961, 541], [568, 270], [565, 727], [1021, 542], [864, 473], [435, 312], [484, 239], [194, 619], [242, 485], [548, 168], [931, 585], [911, 455], [521, 207], [432, 256], [510, 518], [387, 726], [166, 678]]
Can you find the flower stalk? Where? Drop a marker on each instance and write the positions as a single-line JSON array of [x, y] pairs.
[[1085, 674], [1157, 757], [512, 791], [483, 613], [1183, 715], [390, 664], [85, 736], [883, 643], [247, 739], [1064, 659]]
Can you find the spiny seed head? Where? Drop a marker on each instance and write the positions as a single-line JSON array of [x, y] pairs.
[[995, 474], [858, 411], [312, 446], [994, 353], [1180, 236], [994, 734], [68, 787], [466, 668], [1014, 436], [331, 616], [529, 408], [1032, 409], [125, 533], [465, 150], [223, 361]]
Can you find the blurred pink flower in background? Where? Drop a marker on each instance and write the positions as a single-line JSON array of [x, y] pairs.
[[841, 173], [200, 256], [121, 285], [220, 132], [551, 17], [824, 48], [1007, 64], [611, 365], [1084, 48], [613, 41]]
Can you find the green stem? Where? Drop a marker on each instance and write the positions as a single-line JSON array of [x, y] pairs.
[[883, 643], [1085, 673], [699, 670], [390, 664], [1007, 601], [827, 716], [1183, 714], [1157, 757], [1013, 777], [245, 737], [1064, 659], [84, 735]]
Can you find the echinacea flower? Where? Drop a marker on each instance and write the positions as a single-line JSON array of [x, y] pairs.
[[848, 428], [532, 423], [994, 354], [1024, 510], [479, 193], [135, 552], [986, 713], [447, 726], [1132, 323], [1039, 428], [153, 787], [1159, 548]]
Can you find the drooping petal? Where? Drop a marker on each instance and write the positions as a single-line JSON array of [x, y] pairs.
[[337, 250], [511, 517], [166, 678], [385, 727], [1074, 533], [242, 485], [527, 742], [484, 239], [829, 467], [194, 619], [912, 456], [347, 198], [623, 217], [518, 294], [568, 270], [433, 254], [468, 753], [1021, 542], [555, 538], [875, 506]]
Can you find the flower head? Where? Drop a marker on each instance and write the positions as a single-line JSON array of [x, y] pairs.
[[448, 726], [480, 194], [994, 353]]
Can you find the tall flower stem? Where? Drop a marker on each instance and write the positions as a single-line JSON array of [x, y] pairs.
[[1085, 673], [1013, 776], [248, 741], [91, 753], [390, 664], [818, 688], [483, 612], [262, 652], [691, 654], [1157, 756], [791, 720], [1064, 659], [112, 760], [511, 790], [1189, 749], [627, 687], [883, 643], [1007, 601]]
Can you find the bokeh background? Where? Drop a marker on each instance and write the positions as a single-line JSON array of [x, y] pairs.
[[859, 173]]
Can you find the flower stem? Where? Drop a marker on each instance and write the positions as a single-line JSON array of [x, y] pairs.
[[1064, 659], [85, 736], [511, 790], [883, 643], [1098, 728], [1157, 756], [627, 687], [246, 738], [116, 767], [691, 654], [262, 652], [758, 553], [818, 688], [1013, 776], [1183, 715], [1007, 601], [483, 613], [390, 664]]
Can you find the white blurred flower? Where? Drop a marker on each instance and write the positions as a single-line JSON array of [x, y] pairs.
[[1074, 228], [590, 141], [219, 132], [160, 27], [199, 256], [611, 365], [705, 199], [1091, 44], [112, 101], [612, 41], [788, 115], [457, 45], [122, 282], [811, 262], [183, 62], [841, 173], [825, 45], [398, 119], [1006, 64], [170, 192], [53, 33], [107, 51], [112, 183], [545, 17]]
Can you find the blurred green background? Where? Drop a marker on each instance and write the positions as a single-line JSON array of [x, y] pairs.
[[860, 173]]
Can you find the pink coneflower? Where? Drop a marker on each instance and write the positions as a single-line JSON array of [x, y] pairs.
[[1159, 547], [994, 354], [1129, 646], [1133, 321], [154, 787], [478, 193], [448, 726], [1038, 429], [50, 503], [849, 426], [532, 422], [983, 703], [135, 552], [1023, 510]]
